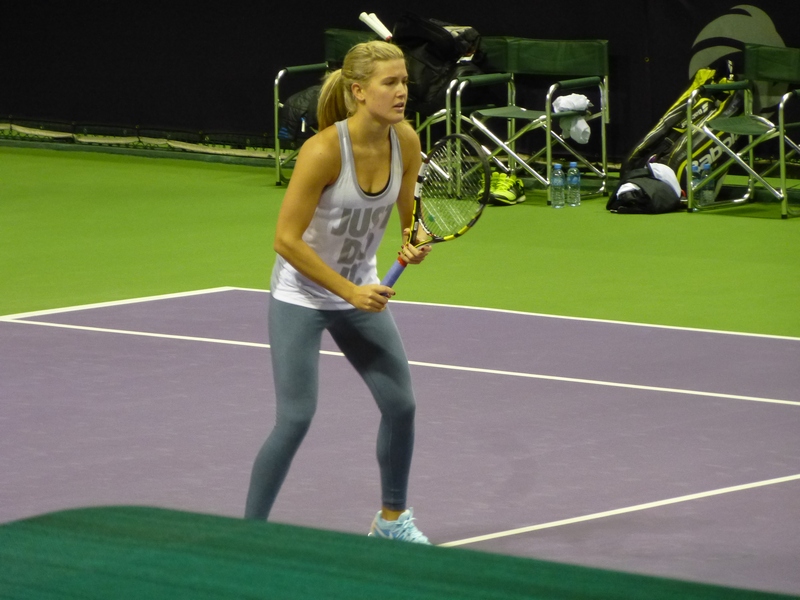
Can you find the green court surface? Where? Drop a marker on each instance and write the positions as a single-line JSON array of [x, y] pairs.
[[78, 227]]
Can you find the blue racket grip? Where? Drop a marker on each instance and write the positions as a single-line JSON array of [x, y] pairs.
[[394, 273]]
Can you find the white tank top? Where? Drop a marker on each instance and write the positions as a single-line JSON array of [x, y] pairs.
[[345, 232]]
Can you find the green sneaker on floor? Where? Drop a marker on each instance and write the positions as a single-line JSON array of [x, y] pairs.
[[519, 189], [506, 189], [494, 180], [403, 529]]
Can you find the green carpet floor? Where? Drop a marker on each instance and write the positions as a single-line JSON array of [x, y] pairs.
[[147, 553], [79, 227]]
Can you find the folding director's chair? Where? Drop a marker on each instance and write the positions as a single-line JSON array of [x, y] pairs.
[[763, 66], [337, 43], [585, 65]]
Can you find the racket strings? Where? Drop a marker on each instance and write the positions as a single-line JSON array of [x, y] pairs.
[[452, 193]]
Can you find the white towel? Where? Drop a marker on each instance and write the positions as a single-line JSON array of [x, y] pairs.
[[626, 188], [577, 102], [574, 127], [665, 174]]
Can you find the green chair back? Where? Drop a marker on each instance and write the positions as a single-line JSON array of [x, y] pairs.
[[575, 58], [339, 41], [771, 63]]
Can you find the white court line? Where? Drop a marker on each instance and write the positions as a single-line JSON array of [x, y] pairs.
[[416, 363], [53, 311], [621, 511], [609, 321], [606, 383], [66, 309], [167, 336]]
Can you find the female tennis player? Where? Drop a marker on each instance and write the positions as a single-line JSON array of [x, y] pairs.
[[347, 178]]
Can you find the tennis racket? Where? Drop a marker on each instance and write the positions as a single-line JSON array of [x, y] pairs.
[[451, 192]]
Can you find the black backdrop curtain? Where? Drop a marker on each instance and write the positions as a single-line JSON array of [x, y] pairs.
[[202, 66]]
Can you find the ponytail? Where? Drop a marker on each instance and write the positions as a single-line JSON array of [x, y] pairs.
[[332, 106]]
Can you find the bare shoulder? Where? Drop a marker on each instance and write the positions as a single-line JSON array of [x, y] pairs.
[[325, 142], [407, 135], [320, 155], [409, 143]]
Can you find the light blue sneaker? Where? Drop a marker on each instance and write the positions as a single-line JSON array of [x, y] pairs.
[[403, 529]]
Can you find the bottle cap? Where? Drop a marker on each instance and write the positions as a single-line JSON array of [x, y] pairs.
[[556, 165], [573, 164]]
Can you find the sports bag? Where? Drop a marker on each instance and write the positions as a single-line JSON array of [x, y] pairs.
[[436, 53], [651, 190], [297, 119], [666, 142]]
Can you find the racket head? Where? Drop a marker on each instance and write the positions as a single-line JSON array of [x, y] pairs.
[[452, 189]]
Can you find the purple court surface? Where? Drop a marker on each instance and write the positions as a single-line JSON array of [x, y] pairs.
[[637, 448]]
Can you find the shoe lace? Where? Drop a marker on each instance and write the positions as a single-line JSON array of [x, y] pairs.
[[409, 531], [504, 183]]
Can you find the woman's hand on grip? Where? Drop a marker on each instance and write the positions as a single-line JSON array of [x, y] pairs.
[[371, 298]]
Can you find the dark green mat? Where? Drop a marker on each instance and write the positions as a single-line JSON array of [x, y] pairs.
[[151, 554]]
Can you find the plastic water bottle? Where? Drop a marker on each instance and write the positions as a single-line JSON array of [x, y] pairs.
[[695, 179], [707, 191], [573, 185], [557, 187], [694, 182]]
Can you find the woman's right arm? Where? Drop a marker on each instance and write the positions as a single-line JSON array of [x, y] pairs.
[[318, 165]]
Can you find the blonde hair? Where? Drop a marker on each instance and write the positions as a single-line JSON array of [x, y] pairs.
[[336, 100]]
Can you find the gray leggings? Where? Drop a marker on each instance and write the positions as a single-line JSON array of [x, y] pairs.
[[372, 344]]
